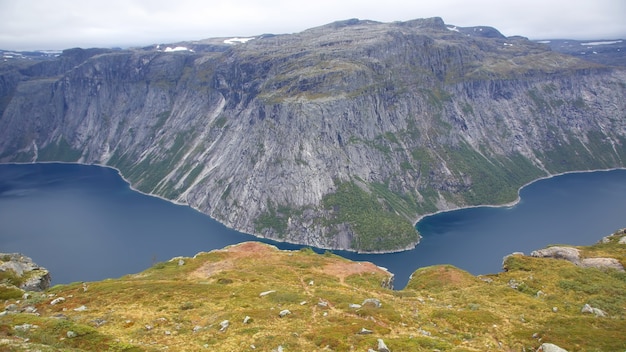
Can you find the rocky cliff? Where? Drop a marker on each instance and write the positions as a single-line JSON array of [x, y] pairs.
[[340, 136]]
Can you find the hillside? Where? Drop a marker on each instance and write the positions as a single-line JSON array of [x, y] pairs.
[[340, 136], [252, 296]]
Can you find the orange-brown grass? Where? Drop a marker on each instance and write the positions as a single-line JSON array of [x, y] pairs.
[[180, 307]]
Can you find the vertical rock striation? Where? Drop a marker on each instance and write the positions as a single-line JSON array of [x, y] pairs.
[[340, 136]]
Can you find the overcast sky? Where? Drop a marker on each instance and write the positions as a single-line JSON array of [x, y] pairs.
[[60, 24]]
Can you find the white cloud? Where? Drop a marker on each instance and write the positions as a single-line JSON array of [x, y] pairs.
[[32, 24]]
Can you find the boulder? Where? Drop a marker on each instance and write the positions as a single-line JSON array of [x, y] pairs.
[[602, 263], [549, 347], [597, 311], [31, 276], [372, 301], [382, 347], [283, 313], [568, 253]]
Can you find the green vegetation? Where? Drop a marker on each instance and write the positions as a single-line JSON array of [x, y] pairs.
[[60, 150], [494, 180], [376, 224], [182, 307]]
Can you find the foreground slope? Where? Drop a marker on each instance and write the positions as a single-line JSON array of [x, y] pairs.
[[252, 296], [340, 136]]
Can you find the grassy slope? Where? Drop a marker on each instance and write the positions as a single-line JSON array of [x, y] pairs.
[[180, 307]]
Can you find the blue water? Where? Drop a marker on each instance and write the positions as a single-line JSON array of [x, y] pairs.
[[84, 223]]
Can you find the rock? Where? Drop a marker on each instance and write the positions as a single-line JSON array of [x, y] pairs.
[[424, 332], [332, 133], [355, 306], [555, 309], [57, 301], [35, 278], [602, 263], [567, 253], [365, 331], [622, 240], [597, 311], [11, 308], [24, 327], [283, 313], [278, 349], [266, 293], [224, 325], [322, 304], [382, 347], [30, 310], [372, 301], [181, 262], [549, 347], [80, 309], [71, 334]]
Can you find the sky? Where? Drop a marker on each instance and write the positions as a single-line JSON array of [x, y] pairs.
[[62, 24]]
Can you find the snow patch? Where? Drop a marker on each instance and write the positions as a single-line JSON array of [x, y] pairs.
[[544, 42], [237, 40], [602, 43], [178, 48], [453, 28]]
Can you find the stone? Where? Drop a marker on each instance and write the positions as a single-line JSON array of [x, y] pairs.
[[365, 331], [567, 253], [11, 308], [596, 311], [372, 301], [549, 347], [224, 325], [181, 262], [283, 313], [81, 308], [355, 306], [57, 301], [37, 278], [265, 293], [602, 263], [71, 334], [382, 347]]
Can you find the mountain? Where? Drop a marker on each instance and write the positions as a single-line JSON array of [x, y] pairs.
[[340, 136], [253, 297]]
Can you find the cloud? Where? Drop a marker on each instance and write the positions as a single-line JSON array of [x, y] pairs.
[[32, 24]]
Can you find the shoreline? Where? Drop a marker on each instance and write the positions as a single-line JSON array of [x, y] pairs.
[[518, 199], [407, 248]]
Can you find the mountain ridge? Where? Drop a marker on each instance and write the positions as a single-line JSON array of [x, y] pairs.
[[337, 137]]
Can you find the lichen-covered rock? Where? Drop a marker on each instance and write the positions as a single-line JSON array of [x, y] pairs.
[[602, 263], [25, 274], [568, 253]]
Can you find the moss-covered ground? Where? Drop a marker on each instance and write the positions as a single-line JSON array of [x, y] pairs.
[[182, 305]]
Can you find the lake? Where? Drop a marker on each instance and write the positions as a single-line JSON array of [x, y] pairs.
[[84, 223]]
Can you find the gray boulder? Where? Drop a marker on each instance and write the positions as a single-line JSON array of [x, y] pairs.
[[382, 347], [596, 311], [602, 263], [32, 276], [549, 347], [568, 253]]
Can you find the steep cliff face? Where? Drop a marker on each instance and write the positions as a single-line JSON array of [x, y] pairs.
[[339, 136]]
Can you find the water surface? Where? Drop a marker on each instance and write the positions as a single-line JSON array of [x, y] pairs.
[[84, 223]]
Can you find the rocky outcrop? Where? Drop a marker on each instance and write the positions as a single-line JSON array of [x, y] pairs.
[[340, 136], [573, 255], [19, 270]]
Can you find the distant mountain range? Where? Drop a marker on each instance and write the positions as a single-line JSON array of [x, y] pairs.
[[340, 136]]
